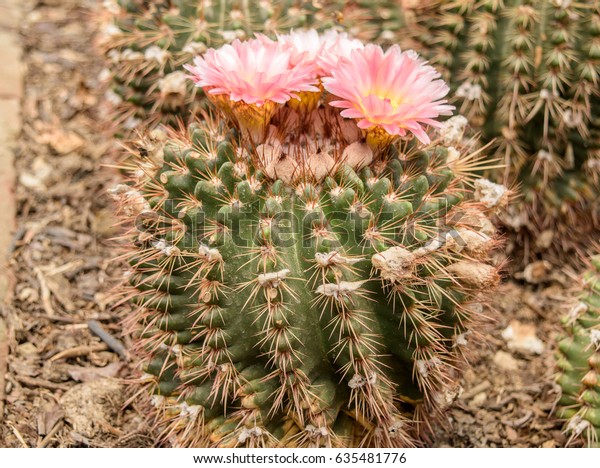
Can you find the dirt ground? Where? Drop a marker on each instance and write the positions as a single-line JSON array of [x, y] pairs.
[[65, 386]]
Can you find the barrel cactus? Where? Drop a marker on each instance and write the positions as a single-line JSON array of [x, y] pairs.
[[145, 44], [579, 362], [525, 74], [298, 280]]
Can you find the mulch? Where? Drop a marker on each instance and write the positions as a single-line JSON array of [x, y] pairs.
[[64, 384]]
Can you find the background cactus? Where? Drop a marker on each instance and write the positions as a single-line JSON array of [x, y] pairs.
[[146, 44], [304, 292], [579, 362], [526, 73]]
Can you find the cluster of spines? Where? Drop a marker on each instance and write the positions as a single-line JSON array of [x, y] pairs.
[[579, 362], [333, 338]]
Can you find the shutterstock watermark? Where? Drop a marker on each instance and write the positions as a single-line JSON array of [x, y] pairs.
[[252, 224]]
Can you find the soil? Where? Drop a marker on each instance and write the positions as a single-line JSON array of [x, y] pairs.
[[66, 387], [509, 394]]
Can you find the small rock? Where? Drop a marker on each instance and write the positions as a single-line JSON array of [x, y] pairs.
[[521, 337], [91, 406], [62, 142], [511, 434], [27, 349], [36, 178], [536, 272], [479, 399], [505, 361]]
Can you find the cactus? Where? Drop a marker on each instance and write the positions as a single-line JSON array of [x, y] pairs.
[[146, 43], [526, 74], [302, 278], [579, 362], [306, 290]]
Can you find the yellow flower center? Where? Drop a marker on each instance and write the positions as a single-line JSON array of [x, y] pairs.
[[395, 102], [393, 98]]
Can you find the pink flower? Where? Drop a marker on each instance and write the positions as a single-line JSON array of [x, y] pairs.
[[305, 46], [255, 72], [393, 90], [319, 51], [336, 47]]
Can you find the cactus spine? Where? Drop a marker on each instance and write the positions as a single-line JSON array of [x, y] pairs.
[[579, 362]]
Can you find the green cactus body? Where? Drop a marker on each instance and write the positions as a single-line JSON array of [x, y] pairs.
[[579, 362], [294, 294], [526, 74], [146, 44]]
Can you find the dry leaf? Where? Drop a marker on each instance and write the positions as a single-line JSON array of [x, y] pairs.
[[48, 419], [88, 374]]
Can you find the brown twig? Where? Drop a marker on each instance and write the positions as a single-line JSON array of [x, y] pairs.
[[78, 351], [16, 238], [110, 340], [18, 435], [45, 292], [502, 403], [31, 382], [77, 320], [476, 390], [519, 422]]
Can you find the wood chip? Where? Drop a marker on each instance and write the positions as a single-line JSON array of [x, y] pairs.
[[35, 382], [78, 351]]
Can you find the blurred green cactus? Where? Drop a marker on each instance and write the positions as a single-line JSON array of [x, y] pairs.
[[579, 362], [526, 74]]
